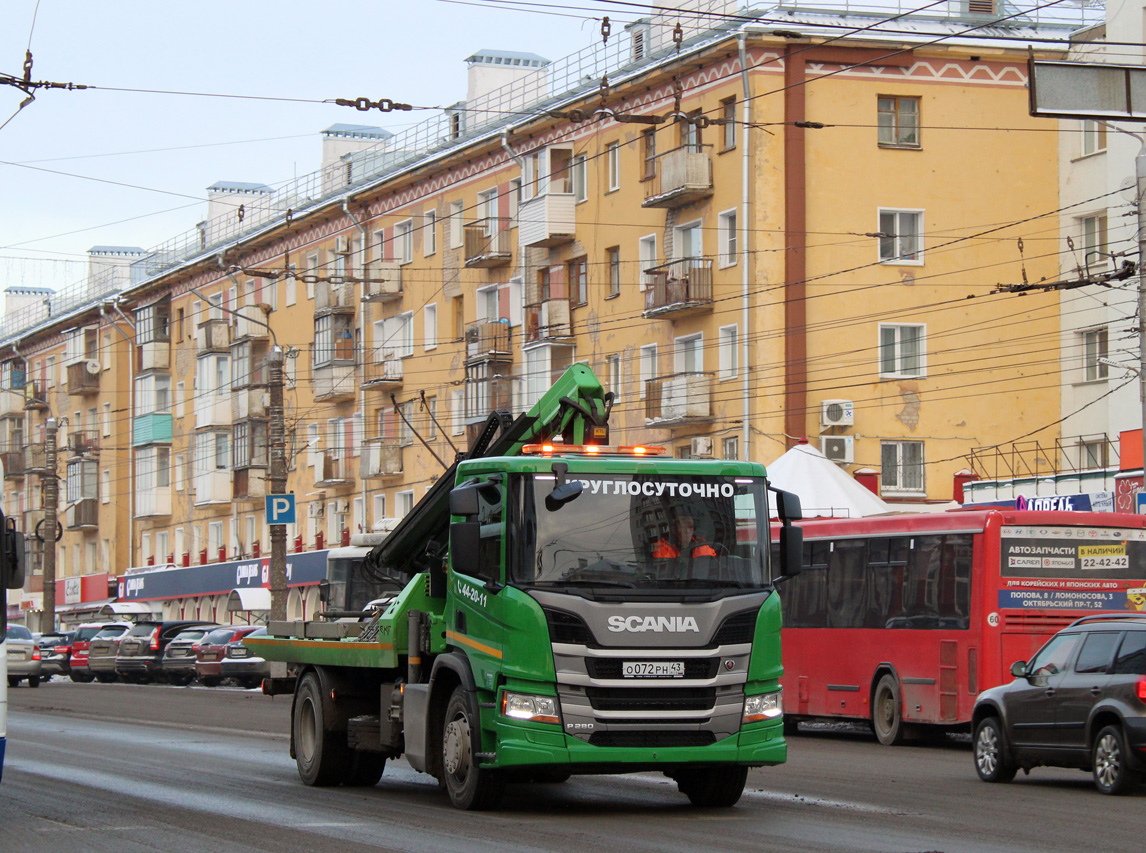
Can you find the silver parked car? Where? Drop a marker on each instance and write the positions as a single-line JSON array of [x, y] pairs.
[[23, 657]]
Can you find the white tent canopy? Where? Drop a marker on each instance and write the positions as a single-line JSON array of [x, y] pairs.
[[822, 486]]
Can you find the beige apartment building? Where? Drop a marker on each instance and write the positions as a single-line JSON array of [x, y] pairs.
[[753, 234]]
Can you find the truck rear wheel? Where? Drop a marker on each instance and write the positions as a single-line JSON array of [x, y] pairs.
[[712, 788], [321, 754], [469, 786]]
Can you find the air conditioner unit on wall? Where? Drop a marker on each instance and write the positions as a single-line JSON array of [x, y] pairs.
[[702, 447], [838, 448], [837, 413]]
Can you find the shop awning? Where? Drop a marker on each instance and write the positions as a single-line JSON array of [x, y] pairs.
[[128, 608], [249, 598]]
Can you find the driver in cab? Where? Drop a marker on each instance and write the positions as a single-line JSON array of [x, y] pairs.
[[683, 540]]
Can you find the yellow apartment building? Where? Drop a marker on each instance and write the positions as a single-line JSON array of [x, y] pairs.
[[755, 235]]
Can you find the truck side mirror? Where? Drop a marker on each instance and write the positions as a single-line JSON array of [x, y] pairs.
[[324, 591], [787, 505], [791, 552]]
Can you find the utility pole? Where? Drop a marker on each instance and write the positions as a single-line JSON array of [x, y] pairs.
[[278, 482], [50, 496]]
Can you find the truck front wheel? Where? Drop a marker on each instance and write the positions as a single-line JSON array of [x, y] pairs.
[[712, 788], [321, 754], [469, 786]]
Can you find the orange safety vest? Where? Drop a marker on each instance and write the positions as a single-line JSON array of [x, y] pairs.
[[665, 550]]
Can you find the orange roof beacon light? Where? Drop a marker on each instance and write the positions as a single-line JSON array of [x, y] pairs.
[[590, 450]]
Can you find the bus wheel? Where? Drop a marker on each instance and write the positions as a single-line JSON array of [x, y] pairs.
[[886, 717], [321, 755], [469, 786]]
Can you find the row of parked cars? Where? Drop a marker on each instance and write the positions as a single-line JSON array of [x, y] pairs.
[[173, 652]]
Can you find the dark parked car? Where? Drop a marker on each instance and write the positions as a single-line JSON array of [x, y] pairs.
[[102, 650], [1079, 702], [179, 656], [78, 669], [23, 657], [140, 656], [222, 655], [55, 654]]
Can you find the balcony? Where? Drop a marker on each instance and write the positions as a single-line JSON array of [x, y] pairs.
[[12, 458], [155, 355], [683, 176], [213, 336], [154, 428], [380, 459], [35, 458], [82, 515], [334, 383], [333, 298], [35, 396], [32, 521], [83, 377], [547, 321], [383, 282], [681, 398], [249, 403], [332, 468], [487, 243], [249, 484], [488, 342], [83, 443], [679, 288], [250, 324], [212, 487], [548, 219], [212, 409], [383, 372], [487, 394], [153, 502]]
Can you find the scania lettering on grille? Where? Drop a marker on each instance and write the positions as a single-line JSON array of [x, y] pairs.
[[658, 624]]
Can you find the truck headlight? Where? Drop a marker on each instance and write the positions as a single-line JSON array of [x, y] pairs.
[[763, 706], [535, 709]]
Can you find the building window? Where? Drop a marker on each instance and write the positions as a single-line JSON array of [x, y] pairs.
[[1094, 249], [405, 501], [579, 281], [729, 352], [690, 131], [543, 283], [898, 121], [613, 260], [311, 276], [728, 116], [647, 253], [730, 447], [1092, 454], [901, 236], [688, 353], [404, 241], [105, 486], [580, 179], [430, 233], [649, 153], [901, 464], [613, 372], [1095, 346], [901, 350], [648, 366], [430, 314], [456, 231], [405, 412], [726, 238], [1093, 137], [514, 200], [152, 394], [613, 159]]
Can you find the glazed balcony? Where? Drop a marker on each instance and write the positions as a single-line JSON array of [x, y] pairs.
[[679, 288], [213, 336], [488, 342], [334, 382], [487, 243], [682, 398], [213, 409], [682, 176], [382, 370], [548, 219], [12, 402], [383, 282], [380, 458], [83, 377], [153, 502], [251, 402], [250, 324], [155, 355], [249, 484], [82, 515], [547, 321], [12, 458], [212, 487], [487, 394]]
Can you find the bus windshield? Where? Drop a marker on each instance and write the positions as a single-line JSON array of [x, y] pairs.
[[656, 533]]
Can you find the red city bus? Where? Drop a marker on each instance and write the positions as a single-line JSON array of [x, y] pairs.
[[901, 620]]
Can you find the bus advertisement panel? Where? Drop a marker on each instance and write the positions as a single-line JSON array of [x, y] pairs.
[[902, 620]]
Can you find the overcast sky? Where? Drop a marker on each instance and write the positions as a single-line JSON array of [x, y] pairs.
[[171, 147]]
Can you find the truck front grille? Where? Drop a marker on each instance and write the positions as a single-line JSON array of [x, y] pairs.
[[606, 668], [651, 698]]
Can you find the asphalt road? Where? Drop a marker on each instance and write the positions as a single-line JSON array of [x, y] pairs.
[[126, 768]]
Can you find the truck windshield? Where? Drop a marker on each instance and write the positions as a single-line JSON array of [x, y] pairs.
[[648, 532]]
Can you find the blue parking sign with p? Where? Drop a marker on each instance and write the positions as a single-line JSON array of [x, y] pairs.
[[280, 509]]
